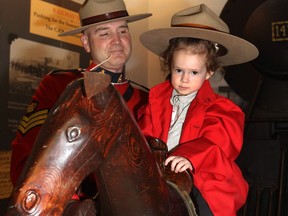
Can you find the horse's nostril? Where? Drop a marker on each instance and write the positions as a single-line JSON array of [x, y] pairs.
[[30, 201]]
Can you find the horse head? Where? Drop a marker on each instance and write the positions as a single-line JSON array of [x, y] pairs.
[[91, 130]]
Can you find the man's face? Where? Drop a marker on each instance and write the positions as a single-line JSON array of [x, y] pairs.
[[113, 39]]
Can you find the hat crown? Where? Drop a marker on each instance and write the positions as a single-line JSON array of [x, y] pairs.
[[96, 12], [199, 16], [91, 8], [202, 23]]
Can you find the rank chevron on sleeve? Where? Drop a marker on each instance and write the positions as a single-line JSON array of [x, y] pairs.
[[31, 121]]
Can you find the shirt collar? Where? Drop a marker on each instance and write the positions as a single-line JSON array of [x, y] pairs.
[[184, 99], [115, 77]]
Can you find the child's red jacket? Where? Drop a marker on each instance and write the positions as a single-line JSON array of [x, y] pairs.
[[211, 139]]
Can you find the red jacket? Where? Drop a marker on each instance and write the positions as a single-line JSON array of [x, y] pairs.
[[48, 92], [211, 139]]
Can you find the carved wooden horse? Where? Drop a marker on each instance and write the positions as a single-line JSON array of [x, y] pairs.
[[90, 129]]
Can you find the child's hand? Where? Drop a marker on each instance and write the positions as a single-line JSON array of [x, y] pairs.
[[178, 164]]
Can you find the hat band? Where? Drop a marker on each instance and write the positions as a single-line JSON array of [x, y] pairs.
[[194, 26], [104, 17], [220, 49]]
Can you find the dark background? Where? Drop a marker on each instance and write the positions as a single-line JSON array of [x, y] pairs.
[[263, 85]]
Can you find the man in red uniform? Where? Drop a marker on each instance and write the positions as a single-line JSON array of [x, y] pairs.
[[106, 37]]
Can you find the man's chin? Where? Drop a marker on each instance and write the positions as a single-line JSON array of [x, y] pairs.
[[118, 60]]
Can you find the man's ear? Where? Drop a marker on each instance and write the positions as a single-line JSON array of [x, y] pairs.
[[85, 43]]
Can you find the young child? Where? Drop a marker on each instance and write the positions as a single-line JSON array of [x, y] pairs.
[[203, 131]]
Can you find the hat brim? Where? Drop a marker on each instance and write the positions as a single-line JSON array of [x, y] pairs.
[[238, 50], [131, 18]]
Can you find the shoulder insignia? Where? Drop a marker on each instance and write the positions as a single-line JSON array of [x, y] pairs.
[[31, 107], [30, 121]]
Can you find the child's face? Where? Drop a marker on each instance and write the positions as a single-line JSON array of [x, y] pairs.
[[188, 72]]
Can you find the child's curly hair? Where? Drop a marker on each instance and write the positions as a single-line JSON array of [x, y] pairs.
[[195, 46]]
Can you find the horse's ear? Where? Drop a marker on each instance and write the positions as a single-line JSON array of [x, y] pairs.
[[95, 83]]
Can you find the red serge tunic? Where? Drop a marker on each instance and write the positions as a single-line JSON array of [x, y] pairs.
[[47, 94], [211, 139]]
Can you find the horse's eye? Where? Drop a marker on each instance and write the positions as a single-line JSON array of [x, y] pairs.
[[73, 133]]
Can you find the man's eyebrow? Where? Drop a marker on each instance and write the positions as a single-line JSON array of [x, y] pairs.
[[123, 26], [101, 28]]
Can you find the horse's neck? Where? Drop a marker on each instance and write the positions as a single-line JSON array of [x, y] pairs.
[[129, 179], [121, 195]]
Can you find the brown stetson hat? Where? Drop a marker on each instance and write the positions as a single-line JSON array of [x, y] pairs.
[[96, 12], [201, 22]]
